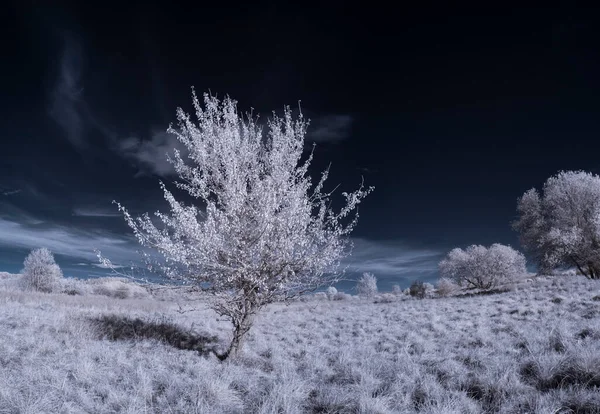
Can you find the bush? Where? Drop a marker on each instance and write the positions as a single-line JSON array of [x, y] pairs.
[[342, 296], [385, 298], [320, 296], [367, 285], [396, 289], [446, 287], [118, 289], [331, 292], [479, 267], [70, 286], [418, 289], [40, 271]]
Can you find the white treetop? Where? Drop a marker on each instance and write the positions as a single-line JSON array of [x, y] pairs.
[[481, 267], [40, 271], [562, 226]]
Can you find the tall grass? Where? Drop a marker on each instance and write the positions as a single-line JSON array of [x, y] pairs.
[[535, 349]]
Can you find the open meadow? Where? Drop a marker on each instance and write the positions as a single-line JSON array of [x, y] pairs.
[[534, 349]]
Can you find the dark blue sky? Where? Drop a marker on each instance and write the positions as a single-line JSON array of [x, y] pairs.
[[451, 114]]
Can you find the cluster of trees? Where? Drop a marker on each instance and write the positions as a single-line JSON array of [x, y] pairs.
[[558, 227]]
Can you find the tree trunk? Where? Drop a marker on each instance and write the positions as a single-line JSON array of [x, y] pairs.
[[240, 329], [239, 335], [594, 273], [579, 267]]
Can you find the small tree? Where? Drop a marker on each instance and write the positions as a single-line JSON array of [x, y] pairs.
[[482, 268], [40, 271], [367, 285], [396, 289], [261, 232], [561, 226]]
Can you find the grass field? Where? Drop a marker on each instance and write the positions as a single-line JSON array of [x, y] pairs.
[[535, 349]]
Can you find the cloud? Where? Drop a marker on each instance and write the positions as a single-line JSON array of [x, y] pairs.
[[392, 259], [95, 212], [329, 128], [150, 155], [10, 192], [107, 266], [67, 241], [323, 128], [67, 107]]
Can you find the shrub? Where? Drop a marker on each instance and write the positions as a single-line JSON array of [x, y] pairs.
[[40, 271], [385, 298], [483, 268], [396, 289], [342, 296], [331, 292], [446, 287], [418, 289], [320, 296], [367, 285], [72, 286], [118, 289]]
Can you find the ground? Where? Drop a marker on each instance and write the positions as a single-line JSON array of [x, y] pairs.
[[535, 349]]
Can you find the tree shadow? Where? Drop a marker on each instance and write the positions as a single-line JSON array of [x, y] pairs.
[[122, 328]]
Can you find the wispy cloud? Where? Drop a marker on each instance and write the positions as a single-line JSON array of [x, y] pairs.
[[10, 192], [329, 128], [95, 212], [74, 243], [67, 106], [392, 259], [150, 155]]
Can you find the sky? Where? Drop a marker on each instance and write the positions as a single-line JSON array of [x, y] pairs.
[[450, 114]]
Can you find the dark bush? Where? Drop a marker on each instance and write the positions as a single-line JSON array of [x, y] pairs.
[[417, 289]]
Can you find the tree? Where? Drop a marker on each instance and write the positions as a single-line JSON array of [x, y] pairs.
[[561, 227], [260, 231], [481, 268], [367, 285], [40, 271]]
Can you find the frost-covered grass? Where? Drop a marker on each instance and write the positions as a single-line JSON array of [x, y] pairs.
[[535, 349]]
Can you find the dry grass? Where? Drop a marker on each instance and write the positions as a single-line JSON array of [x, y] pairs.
[[535, 349]]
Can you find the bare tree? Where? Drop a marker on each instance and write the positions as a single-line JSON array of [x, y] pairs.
[[261, 231], [561, 227]]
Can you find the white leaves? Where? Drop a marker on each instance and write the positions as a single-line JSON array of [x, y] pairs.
[[258, 223], [367, 285], [480, 267], [40, 271], [562, 225]]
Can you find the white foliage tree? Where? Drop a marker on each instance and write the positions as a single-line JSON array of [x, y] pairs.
[[367, 285], [260, 231], [483, 268], [561, 226], [40, 271]]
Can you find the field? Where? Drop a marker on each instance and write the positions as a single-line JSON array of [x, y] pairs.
[[535, 349]]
